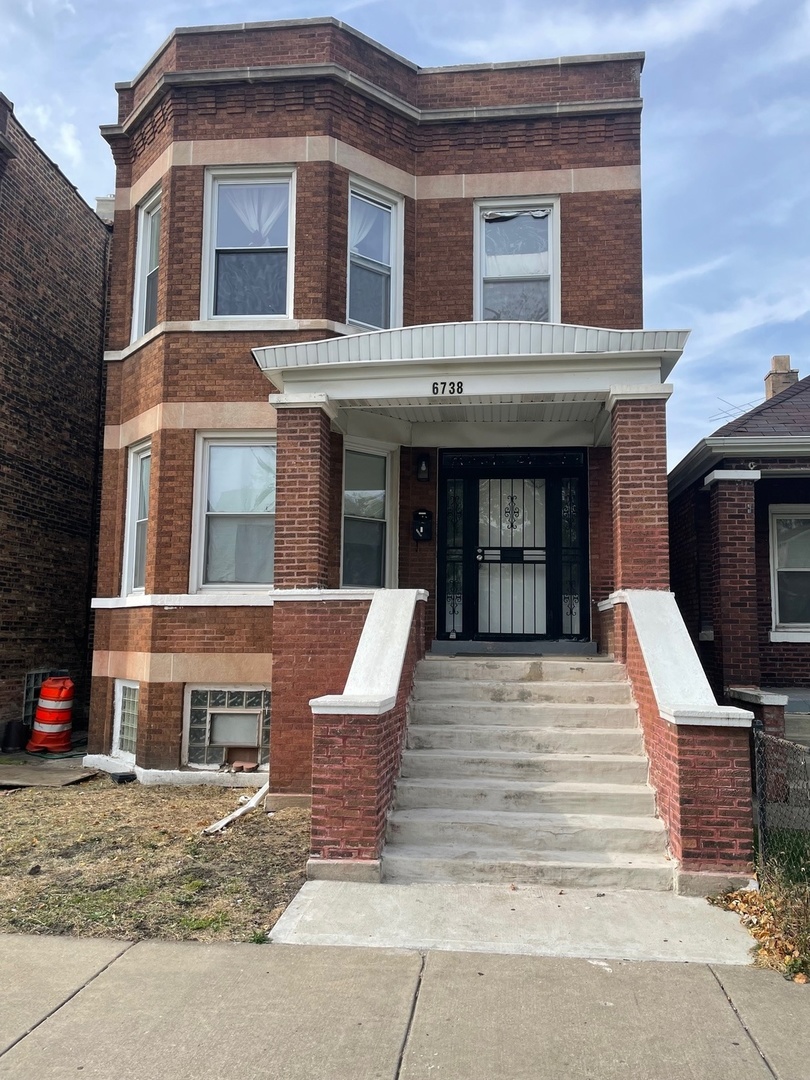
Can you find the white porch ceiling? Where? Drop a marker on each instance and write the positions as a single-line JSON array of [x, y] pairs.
[[514, 409]]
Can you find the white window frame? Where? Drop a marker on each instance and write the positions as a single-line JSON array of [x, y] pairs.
[[137, 452], [246, 688], [115, 750], [146, 212], [540, 202], [205, 439], [390, 452], [396, 205], [242, 175], [776, 511]]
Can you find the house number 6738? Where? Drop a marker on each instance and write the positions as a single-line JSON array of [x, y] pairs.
[[448, 387]]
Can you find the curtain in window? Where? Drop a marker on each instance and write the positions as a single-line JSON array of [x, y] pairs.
[[258, 207], [362, 218]]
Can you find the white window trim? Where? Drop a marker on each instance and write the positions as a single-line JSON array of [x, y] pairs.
[[248, 688], [390, 451], [242, 174], [137, 452], [396, 204], [142, 244], [203, 441], [781, 631], [541, 202], [116, 751]]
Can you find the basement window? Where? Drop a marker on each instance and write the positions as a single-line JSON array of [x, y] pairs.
[[125, 720], [224, 725]]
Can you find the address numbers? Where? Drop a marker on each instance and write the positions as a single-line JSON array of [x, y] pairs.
[[448, 387]]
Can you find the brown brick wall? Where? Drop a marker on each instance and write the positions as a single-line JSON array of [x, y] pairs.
[[53, 254], [417, 561], [356, 762], [734, 607], [315, 643], [600, 529], [639, 482]]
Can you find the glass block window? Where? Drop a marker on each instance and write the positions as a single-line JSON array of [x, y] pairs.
[[222, 721], [125, 719], [31, 689]]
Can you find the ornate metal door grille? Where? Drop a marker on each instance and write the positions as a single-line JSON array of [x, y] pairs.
[[512, 545]]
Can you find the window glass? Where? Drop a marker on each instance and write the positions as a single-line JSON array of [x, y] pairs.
[[370, 262], [364, 525], [251, 248], [515, 264], [793, 542], [240, 514], [137, 524], [128, 718], [235, 729], [216, 736], [792, 556]]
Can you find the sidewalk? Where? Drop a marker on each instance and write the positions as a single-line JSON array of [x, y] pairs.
[[159, 1011]]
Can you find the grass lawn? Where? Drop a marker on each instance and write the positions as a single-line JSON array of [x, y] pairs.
[[96, 859]]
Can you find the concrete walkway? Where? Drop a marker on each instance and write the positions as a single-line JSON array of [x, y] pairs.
[[526, 919], [160, 1011]]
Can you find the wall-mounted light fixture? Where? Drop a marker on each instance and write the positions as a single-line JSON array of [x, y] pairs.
[[423, 468]]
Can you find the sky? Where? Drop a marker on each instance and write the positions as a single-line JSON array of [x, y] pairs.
[[725, 145]]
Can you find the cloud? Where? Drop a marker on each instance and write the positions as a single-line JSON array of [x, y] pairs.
[[68, 146], [794, 44], [522, 30], [657, 282]]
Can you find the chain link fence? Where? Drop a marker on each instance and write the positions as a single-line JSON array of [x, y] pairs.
[[782, 789]]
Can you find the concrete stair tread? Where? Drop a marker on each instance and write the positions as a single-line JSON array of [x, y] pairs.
[[546, 684], [495, 756], [504, 856], [547, 729], [503, 784], [523, 818], [527, 706]]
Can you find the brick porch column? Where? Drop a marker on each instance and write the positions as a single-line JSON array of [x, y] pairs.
[[303, 497], [734, 585], [639, 485]]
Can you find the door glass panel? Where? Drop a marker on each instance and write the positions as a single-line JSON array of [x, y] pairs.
[[511, 556], [454, 568]]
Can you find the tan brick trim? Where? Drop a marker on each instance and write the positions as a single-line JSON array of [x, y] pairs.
[[228, 668], [311, 148], [191, 415]]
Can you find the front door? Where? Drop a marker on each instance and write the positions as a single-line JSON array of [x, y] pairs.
[[512, 545]]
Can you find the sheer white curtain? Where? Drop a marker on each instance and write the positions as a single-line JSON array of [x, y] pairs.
[[258, 207], [362, 218]]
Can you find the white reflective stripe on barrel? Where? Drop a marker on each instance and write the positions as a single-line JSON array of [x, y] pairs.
[[47, 703], [51, 727]]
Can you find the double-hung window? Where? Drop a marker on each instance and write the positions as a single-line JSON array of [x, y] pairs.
[[235, 522], [790, 566], [248, 264], [147, 263], [137, 518], [375, 248], [367, 530], [517, 262]]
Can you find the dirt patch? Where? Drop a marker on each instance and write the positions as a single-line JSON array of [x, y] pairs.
[[102, 860]]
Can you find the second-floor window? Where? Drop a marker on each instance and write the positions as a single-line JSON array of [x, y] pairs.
[[516, 264], [147, 267], [375, 258], [248, 266]]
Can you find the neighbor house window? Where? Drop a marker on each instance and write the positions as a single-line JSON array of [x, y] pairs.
[[366, 528], [790, 566], [248, 268], [374, 259], [226, 724], [137, 518], [147, 263], [516, 262], [125, 719], [236, 517]]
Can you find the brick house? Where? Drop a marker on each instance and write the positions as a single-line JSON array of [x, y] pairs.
[[53, 260], [377, 382], [739, 518]]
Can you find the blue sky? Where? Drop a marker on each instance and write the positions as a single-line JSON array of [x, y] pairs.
[[726, 144]]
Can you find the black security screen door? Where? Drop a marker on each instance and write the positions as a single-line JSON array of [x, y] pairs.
[[513, 546]]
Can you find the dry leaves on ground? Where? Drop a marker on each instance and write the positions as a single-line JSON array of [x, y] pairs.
[[101, 860], [778, 917]]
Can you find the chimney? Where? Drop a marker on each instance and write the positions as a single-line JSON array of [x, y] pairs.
[[780, 377]]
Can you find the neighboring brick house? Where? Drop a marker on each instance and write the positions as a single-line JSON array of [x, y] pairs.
[[53, 261], [435, 273], [740, 534]]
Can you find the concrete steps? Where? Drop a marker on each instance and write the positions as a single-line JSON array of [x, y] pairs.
[[527, 770]]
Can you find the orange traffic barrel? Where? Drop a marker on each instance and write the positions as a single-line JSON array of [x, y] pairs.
[[53, 718]]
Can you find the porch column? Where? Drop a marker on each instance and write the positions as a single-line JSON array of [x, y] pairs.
[[734, 586], [639, 485], [303, 496]]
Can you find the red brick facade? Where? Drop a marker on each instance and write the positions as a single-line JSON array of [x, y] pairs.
[[53, 260]]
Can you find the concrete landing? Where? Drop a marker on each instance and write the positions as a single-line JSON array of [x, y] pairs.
[[527, 919]]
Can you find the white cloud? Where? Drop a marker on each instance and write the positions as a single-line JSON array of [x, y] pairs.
[[657, 282], [522, 30], [68, 146]]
